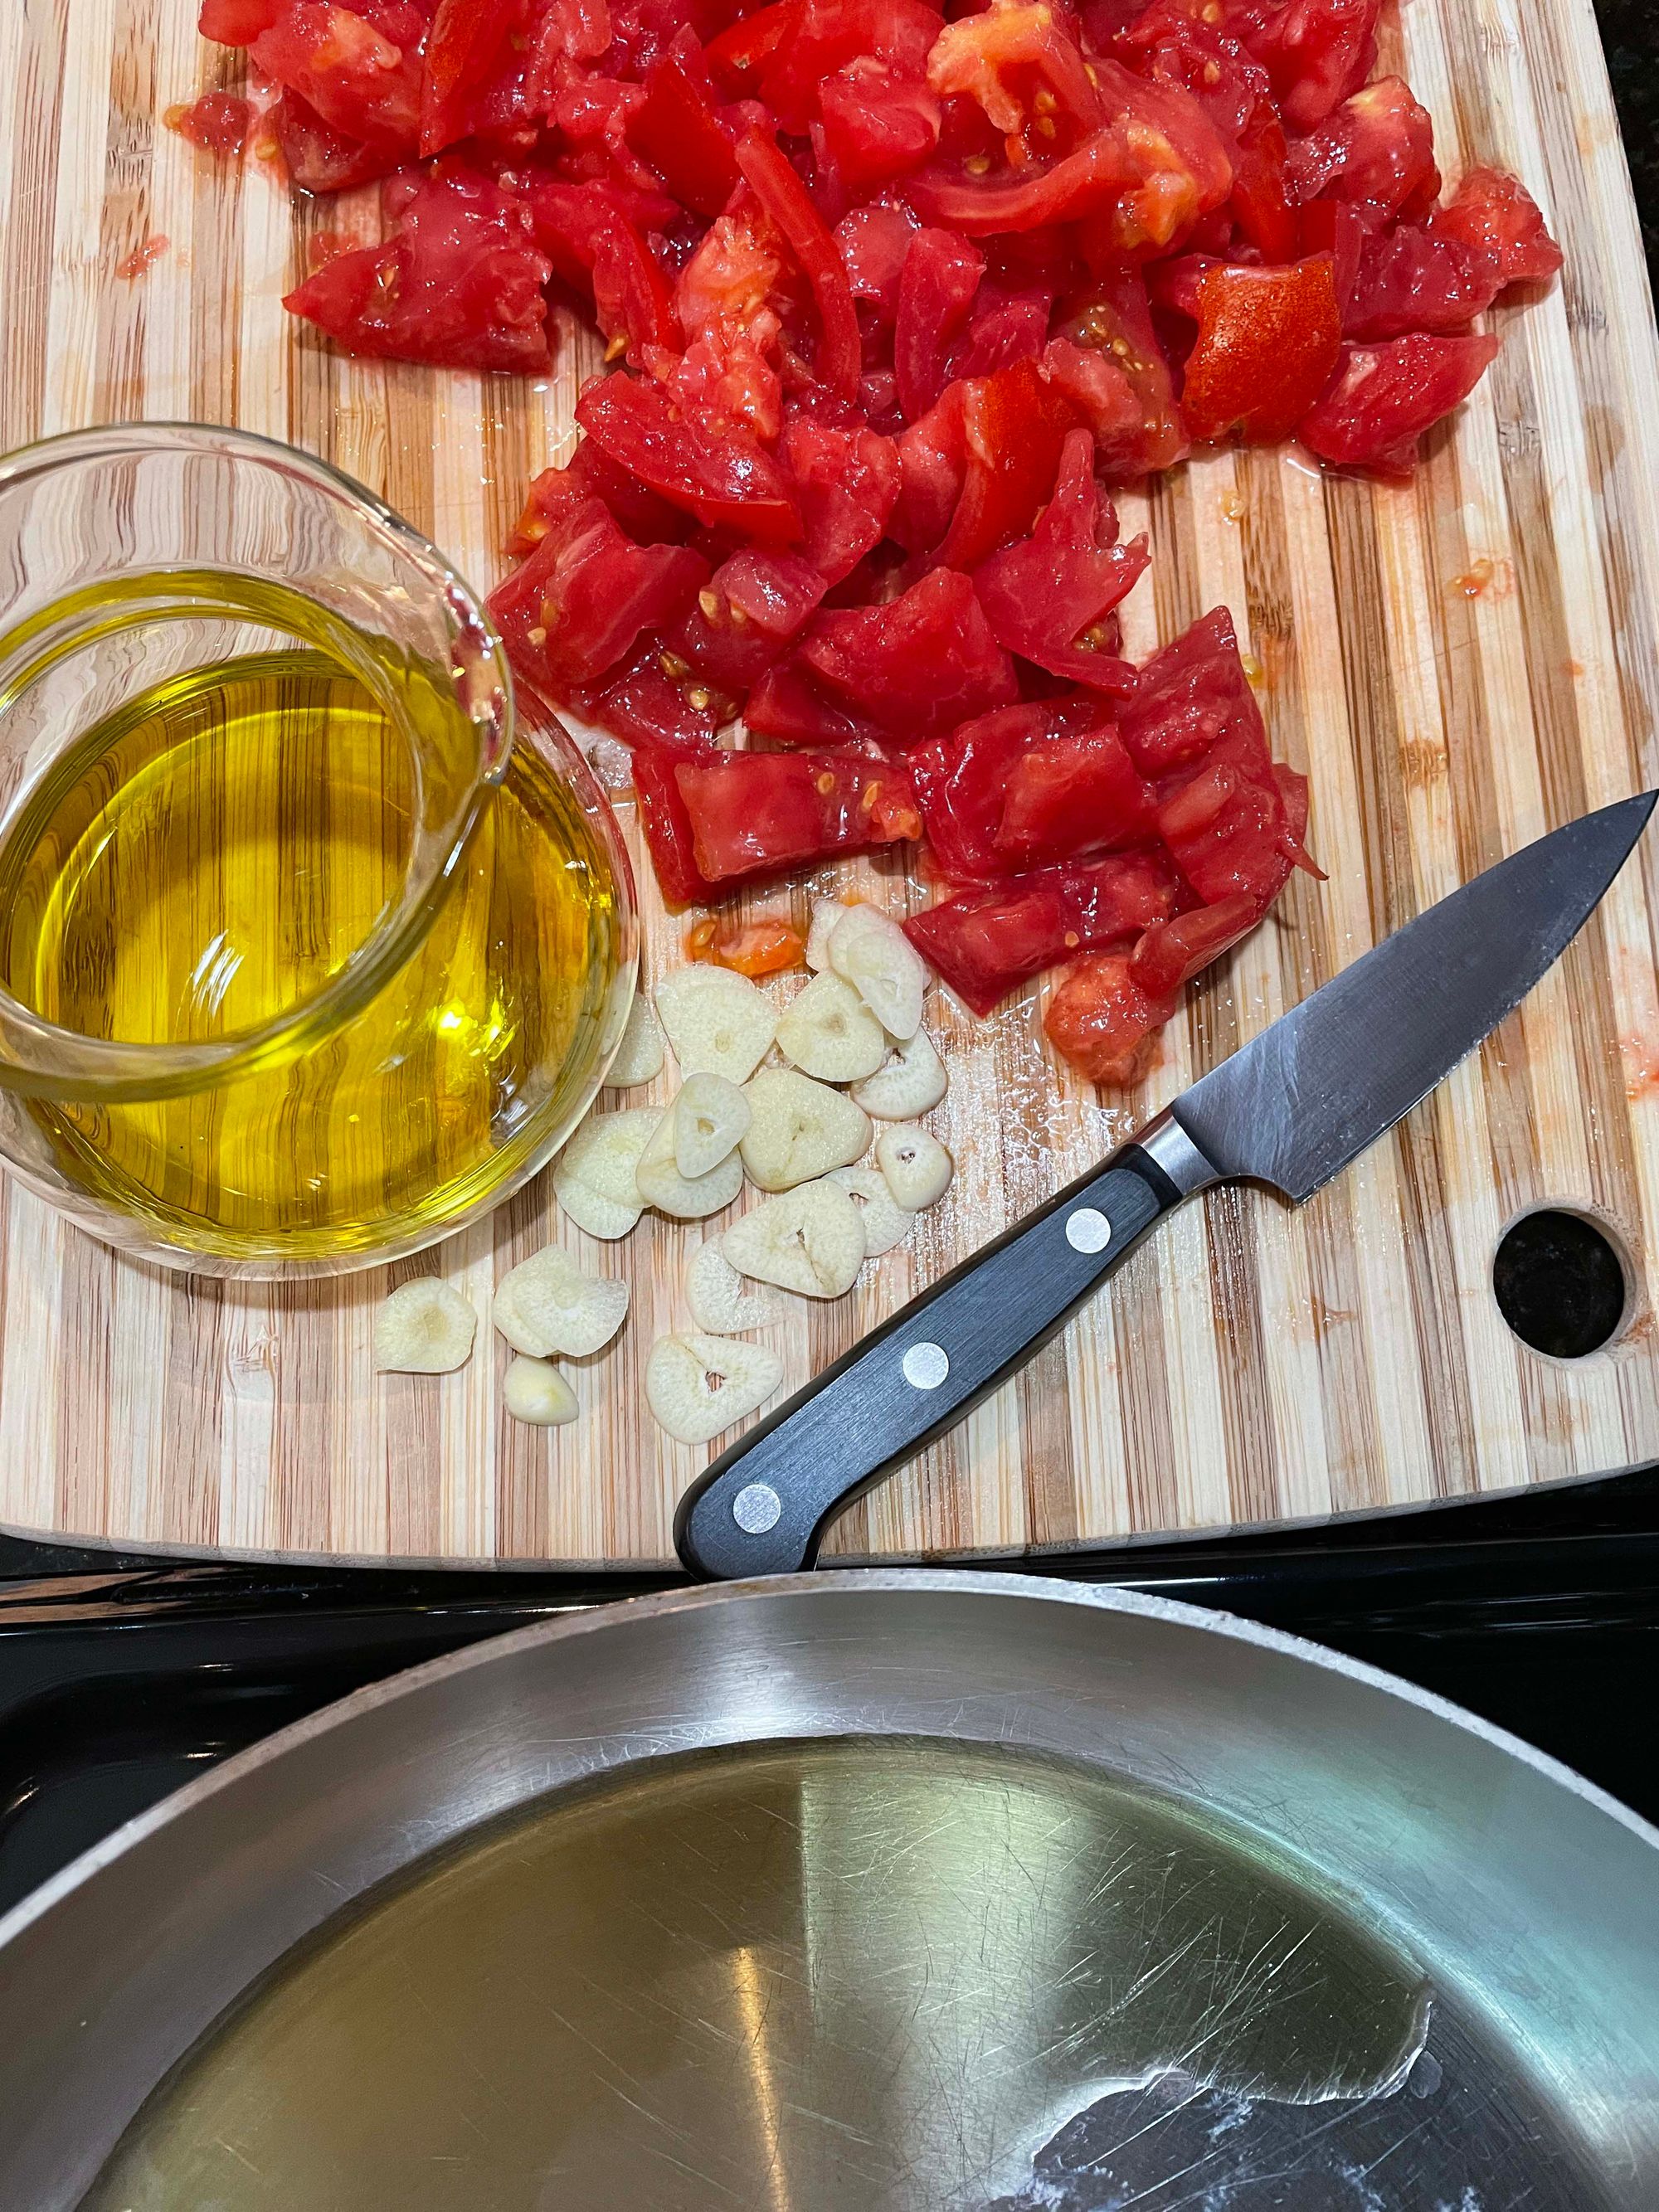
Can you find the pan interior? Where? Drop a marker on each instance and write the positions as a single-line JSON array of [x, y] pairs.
[[847, 1975]]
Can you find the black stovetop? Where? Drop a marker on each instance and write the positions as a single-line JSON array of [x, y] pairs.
[[122, 1677]]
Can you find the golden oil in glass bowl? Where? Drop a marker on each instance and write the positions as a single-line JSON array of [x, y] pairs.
[[209, 857]]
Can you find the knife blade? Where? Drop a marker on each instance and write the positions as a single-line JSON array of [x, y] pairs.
[[1291, 1109]]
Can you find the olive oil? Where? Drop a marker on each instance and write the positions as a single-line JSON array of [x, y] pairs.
[[211, 857]]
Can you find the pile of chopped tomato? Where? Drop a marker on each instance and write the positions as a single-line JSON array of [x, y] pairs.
[[894, 295]]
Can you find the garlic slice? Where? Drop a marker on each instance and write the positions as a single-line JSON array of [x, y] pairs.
[[689, 1198], [886, 1222], [826, 915], [547, 1304], [799, 1130], [914, 1165], [424, 1327], [533, 1390], [698, 1385], [718, 1022], [878, 960], [809, 1240], [639, 1056], [828, 1032], [594, 1181], [719, 1299], [910, 1081], [710, 1116]]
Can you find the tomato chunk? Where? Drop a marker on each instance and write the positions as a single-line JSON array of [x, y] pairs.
[[1047, 597], [963, 779], [668, 832], [1014, 427], [1378, 148], [320, 158], [847, 483], [590, 238], [355, 78], [1072, 795], [785, 199], [721, 474], [744, 616], [1266, 347], [460, 282], [1385, 397], [766, 947], [1191, 699], [986, 943], [1171, 952], [1410, 279], [936, 290], [1498, 215], [577, 605], [676, 127], [1316, 52], [918, 665], [1115, 322], [1105, 1022], [591, 472], [757, 813]]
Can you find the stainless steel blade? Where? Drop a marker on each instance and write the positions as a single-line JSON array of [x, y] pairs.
[[1306, 1096]]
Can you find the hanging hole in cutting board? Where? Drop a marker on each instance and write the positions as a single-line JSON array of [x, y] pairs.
[[1562, 1282]]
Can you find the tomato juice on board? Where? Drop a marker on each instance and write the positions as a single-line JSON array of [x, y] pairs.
[[895, 296]]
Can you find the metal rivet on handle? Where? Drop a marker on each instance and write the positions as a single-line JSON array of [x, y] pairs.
[[926, 1366], [1088, 1230], [757, 1508]]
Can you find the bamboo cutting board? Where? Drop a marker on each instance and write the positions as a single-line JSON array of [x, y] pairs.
[[1460, 665]]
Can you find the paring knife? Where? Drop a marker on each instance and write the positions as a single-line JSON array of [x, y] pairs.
[[1292, 1110]]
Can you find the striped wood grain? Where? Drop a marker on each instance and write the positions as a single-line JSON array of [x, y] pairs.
[[1251, 1363]]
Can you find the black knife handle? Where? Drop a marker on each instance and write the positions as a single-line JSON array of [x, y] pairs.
[[762, 1507]]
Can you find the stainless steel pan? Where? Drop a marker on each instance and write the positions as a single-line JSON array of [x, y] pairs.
[[857, 1890]]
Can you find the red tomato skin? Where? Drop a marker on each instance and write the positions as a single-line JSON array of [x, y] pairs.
[[586, 233], [237, 23], [575, 608], [738, 54], [463, 42], [1102, 1021], [941, 277], [1385, 397], [744, 616], [1067, 797], [1014, 427], [1043, 596], [963, 780], [788, 707], [1376, 150], [1170, 953], [460, 283], [677, 130], [358, 81], [917, 665], [1092, 177], [986, 942], [648, 518], [782, 195], [723, 476], [1266, 347], [877, 127], [668, 831], [759, 814], [1497, 214]]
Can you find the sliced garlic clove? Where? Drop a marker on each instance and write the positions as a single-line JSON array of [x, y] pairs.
[[914, 1165], [533, 1390], [698, 1385], [800, 1130], [886, 1222], [878, 960], [710, 1116], [719, 1299], [910, 1081], [423, 1327], [718, 1022], [659, 1183], [826, 913], [547, 1304], [594, 1179], [809, 1240], [639, 1056], [829, 1033]]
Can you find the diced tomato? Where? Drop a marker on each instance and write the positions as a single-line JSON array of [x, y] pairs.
[[1377, 149], [759, 813], [1115, 321], [1228, 828], [587, 234], [873, 243], [933, 457], [1266, 346], [1045, 597], [355, 78], [847, 482], [646, 708], [724, 476], [1192, 698], [575, 607], [237, 23], [218, 121], [1014, 427], [1261, 202], [1385, 397], [826, 35], [745, 617], [739, 53], [958, 198], [918, 665], [962, 779], [782, 195], [1071, 796], [940, 277], [1004, 329], [460, 283], [766, 947], [788, 707], [877, 126], [1497, 216], [1333, 226], [464, 40], [724, 289], [1316, 53], [1020, 62], [319, 159], [1103, 1022], [667, 827], [986, 943], [590, 472], [677, 129], [1409, 279], [1171, 952]]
